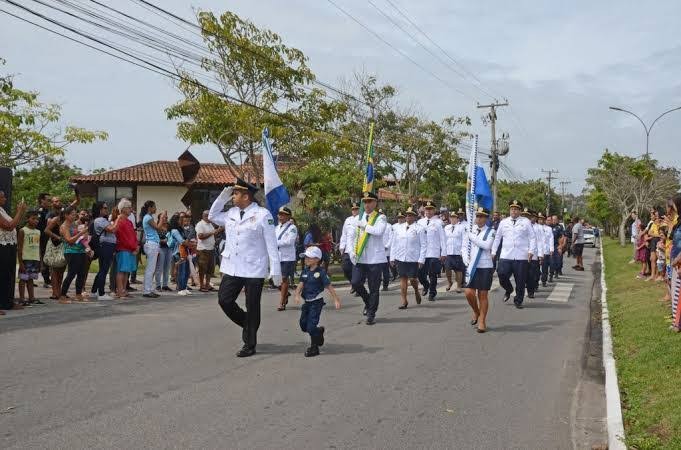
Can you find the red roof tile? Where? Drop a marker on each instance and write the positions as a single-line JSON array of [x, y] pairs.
[[160, 172]]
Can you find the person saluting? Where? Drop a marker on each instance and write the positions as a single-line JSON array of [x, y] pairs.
[[250, 248]]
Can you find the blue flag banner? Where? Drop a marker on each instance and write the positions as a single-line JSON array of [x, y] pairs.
[[276, 194], [483, 193]]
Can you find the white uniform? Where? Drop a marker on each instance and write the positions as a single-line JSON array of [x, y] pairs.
[[286, 233], [454, 234], [436, 242], [541, 246], [387, 239], [374, 252], [249, 240], [408, 243], [483, 245], [518, 239], [548, 238], [349, 223]]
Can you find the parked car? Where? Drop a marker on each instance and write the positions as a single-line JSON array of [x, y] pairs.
[[589, 237]]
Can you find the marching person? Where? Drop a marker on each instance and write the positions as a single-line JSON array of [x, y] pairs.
[[408, 254], [348, 227], [367, 253], [286, 233], [480, 239], [559, 245], [545, 223], [250, 244], [400, 220], [436, 250], [519, 245], [387, 237], [454, 232], [534, 273]]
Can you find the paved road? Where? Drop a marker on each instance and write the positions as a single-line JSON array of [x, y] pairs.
[[162, 374]]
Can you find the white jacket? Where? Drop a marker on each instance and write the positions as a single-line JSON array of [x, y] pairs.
[[374, 252], [387, 239], [436, 242], [408, 243], [347, 225], [484, 246], [454, 235], [286, 234], [250, 242], [518, 238]]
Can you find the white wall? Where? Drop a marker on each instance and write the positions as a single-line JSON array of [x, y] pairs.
[[167, 198]]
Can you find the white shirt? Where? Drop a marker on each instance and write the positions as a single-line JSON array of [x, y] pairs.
[[387, 238], [7, 237], [518, 239], [249, 240], [408, 243], [454, 234], [374, 252], [436, 242], [347, 226], [539, 236], [548, 236], [286, 233], [477, 238], [209, 242]]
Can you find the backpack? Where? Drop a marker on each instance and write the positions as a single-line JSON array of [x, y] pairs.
[[170, 241], [94, 239]]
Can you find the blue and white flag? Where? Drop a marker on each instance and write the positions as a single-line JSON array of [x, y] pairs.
[[276, 194]]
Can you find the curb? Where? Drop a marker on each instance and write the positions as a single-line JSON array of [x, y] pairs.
[[612, 392]]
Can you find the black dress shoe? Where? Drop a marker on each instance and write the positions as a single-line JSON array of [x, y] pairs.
[[370, 321], [431, 298], [352, 291], [474, 322], [425, 291], [320, 338], [402, 307], [364, 312], [530, 295], [519, 306], [312, 350], [507, 296], [245, 352]]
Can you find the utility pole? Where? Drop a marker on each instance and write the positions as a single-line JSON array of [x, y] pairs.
[[492, 116], [562, 195], [549, 177]]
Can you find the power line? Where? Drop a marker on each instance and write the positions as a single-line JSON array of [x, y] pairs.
[[405, 55]]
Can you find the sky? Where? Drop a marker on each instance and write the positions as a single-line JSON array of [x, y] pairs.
[[559, 64]]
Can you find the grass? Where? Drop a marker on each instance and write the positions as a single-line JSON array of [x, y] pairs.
[[648, 354]]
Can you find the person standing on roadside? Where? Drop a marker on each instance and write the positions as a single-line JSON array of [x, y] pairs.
[[286, 233], [8, 252], [152, 244], [126, 248], [44, 207], [578, 243], [250, 247], [74, 252], [205, 247], [635, 227], [106, 231]]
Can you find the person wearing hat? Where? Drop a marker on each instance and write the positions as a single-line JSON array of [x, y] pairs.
[[545, 224], [387, 238], [367, 253], [250, 247], [436, 250], [534, 270], [348, 227], [313, 281], [518, 245], [400, 219], [408, 254], [454, 232], [287, 234], [480, 267]]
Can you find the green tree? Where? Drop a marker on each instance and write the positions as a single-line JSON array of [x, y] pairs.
[[51, 175], [531, 193], [29, 129]]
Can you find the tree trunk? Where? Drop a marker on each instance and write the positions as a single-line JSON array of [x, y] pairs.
[[622, 228]]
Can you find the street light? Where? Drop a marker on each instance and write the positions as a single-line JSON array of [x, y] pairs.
[[648, 129]]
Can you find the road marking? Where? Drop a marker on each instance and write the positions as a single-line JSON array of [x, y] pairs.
[[561, 293]]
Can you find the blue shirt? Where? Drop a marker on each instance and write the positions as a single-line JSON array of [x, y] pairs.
[[177, 239], [676, 242], [150, 234], [314, 283]]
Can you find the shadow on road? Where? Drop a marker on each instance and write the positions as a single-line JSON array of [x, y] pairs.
[[412, 319], [537, 327], [328, 348]]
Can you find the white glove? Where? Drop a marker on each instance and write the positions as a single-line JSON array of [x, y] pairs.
[[276, 280], [353, 259], [226, 193]]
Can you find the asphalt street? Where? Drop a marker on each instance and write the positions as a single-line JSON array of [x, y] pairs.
[[162, 374]]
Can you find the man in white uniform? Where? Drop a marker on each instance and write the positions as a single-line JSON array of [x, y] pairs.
[[367, 253], [454, 232], [286, 233], [534, 271], [436, 250], [348, 226], [519, 245], [387, 237], [250, 247], [545, 222]]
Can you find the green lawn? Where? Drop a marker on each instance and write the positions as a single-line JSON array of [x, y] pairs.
[[648, 354]]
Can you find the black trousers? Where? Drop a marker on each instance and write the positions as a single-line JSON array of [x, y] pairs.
[[386, 273], [533, 276], [371, 273], [346, 265], [8, 262], [77, 268], [428, 275], [518, 268], [249, 320], [545, 268]]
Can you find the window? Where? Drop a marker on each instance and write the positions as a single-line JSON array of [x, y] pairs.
[[112, 194]]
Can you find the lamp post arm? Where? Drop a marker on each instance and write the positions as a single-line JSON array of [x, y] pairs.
[[661, 115]]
